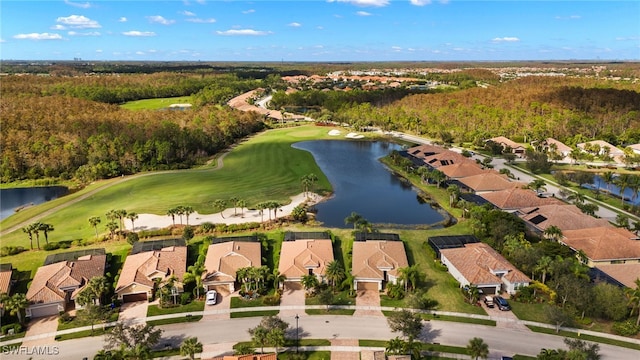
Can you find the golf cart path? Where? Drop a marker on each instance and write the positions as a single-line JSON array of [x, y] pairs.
[[3, 232]]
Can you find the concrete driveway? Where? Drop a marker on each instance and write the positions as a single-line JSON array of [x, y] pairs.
[[220, 310], [293, 296], [504, 319], [44, 329], [367, 298], [133, 312]]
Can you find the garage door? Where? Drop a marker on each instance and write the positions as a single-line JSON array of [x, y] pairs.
[[367, 285], [134, 297], [293, 285], [45, 310], [488, 290]]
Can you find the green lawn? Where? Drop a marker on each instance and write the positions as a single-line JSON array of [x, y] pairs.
[[194, 306], [81, 334], [311, 355], [177, 320], [238, 302], [347, 312], [586, 337], [243, 314], [155, 104], [530, 312]]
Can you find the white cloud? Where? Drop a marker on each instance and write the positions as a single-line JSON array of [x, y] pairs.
[[78, 22], [99, 51], [363, 13], [139, 53], [139, 33], [506, 39], [570, 17], [160, 20], [90, 33], [38, 36], [58, 27], [420, 2], [250, 11], [3, 40], [201, 21], [628, 38], [396, 48], [376, 3], [79, 5], [242, 32], [186, 13], [320, 27], [122, 19], [295, 24]]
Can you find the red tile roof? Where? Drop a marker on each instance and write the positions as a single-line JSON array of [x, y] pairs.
[[462, 169], [516, 198], [143, 267], [626, 274], [224, 259], [296, 256], [5, 280], [564, 216], [489, 181], [604, 243], [372, 257]]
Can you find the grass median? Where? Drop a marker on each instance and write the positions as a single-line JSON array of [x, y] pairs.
[[582, 336]]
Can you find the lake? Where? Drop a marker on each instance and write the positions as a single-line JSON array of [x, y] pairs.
[[12, 199], [363, 184]]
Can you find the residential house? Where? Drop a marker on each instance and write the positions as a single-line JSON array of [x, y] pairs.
[[515, 198], [439, 243], [151, 263], [377, 261], [446, 158], [619, 274], [635, 148], [508, 143], [489, 181], [603, 148], [564, 216], [554, 146], [604, 245], [305, 254], [63, 276], [225, 257], [479, 265], [6, 270], [461, 170]]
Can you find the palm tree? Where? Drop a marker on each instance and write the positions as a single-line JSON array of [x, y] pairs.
[[623, 181], [438, 176], [27, 230], [261, 206], [366, 227], [354, 219], [241, 204], [537, 185], [544, 266], [454, 192], [395, 346], [306, 184], [278, 279], [94, 221], [233, 201], [15, 304], [622, 220], [608, 178], [112, 226], [194, 274], [120, 214], [190, 347], [634, 185], [180, 212], [634, 299], [577, 198], [98, 286], [46, 229], [172, 212], [411, 276], [477, 348], [309, 282], [334, 273], [35, 229], [553, 232], [133, 217], [220, 204], [187, 210]]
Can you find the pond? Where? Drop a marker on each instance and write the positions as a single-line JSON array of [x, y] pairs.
[[17, 198], [363, 184], [598, 183]]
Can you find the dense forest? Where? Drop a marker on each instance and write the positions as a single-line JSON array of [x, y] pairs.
[[54, 127]]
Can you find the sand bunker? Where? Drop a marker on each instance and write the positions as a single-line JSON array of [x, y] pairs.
[[334, 132], [354, 136]]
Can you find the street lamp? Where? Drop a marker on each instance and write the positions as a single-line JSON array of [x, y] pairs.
[[297, 317]]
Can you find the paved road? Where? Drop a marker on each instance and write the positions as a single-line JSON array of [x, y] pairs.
[[501, 341]]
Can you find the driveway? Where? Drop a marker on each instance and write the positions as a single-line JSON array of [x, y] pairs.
[[133, 312], [344, 355], [44, 329], [367, 298], [293, 295], [220, 310], [504, 319]]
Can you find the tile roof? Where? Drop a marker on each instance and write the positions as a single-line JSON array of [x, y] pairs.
[[50, 281], [560, 146], [371, 258], [604, 243], [446, 158], [613, 150], [296, 256], [224, 259], [424, 150], [635, 146], [462, 169], [477, 262], [626, 274], [505, 142], [489, 181], [564, 216], [5, 280], [141, 268], [516, 198]]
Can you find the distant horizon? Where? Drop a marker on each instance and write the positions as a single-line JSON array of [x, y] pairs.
[[320, 30], [563, 61]]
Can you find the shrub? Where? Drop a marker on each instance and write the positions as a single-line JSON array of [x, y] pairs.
[[271, 300], [207, 227], [11, 250], [17, 328], [132, 238], [65, 318], [625, 328], [187, 233], [185, 298], [51, 246]]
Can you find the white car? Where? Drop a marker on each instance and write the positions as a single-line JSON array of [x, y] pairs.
[[212, 297]]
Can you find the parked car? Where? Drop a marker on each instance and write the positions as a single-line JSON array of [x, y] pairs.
[[488, 300], [502, 303], [212, 297]]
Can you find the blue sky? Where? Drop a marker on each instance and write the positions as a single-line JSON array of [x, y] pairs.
[[319, 30]]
